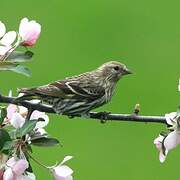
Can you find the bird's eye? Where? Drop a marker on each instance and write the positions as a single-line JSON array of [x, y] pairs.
[[116, 68]]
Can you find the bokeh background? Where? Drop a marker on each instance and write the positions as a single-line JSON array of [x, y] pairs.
[[80, 35]]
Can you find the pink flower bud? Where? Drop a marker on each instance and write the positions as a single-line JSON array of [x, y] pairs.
[[29, 32], [20, 166]]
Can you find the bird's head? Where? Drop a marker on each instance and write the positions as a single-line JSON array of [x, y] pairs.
[[114, 70]]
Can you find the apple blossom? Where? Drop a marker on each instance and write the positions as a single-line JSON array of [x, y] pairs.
[[29, 32], [16, 116], [63, 172], [166, 143], [15, 169], [171, 140]]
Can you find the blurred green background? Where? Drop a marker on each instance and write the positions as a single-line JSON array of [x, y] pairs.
[[78, 36]]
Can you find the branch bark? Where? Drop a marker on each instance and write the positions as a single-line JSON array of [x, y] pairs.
[[92, 115]]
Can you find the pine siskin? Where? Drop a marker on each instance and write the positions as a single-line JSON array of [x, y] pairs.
[[77, 95]]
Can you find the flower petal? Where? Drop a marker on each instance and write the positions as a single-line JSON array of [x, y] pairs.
[[36, 115], [179, 85], [67, 158], [2, 29], [24, 22], [8, 38], [11, 162], [8, 174], [172, 140], [23, 110], [40, 131], [158, 142], [20, 167], [11, 109], [170, 117], [162, 157], [62, 171], [17, 120], [4, 50], [10, 93]]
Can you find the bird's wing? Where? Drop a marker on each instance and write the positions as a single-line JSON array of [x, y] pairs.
[[68, 88], [77, 88]]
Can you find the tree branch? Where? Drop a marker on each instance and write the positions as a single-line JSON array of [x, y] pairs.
[[92, 115]]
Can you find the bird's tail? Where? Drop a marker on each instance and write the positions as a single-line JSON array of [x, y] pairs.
[[27, 94]]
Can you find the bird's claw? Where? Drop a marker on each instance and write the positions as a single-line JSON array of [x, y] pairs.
[[103, 116]]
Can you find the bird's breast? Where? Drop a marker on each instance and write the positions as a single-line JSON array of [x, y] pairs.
[[109, 90]]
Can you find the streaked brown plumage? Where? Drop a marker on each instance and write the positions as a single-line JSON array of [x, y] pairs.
[[77, 95]]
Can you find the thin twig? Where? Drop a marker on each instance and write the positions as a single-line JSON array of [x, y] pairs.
[[37, 161], [92, 115], [30, 111]]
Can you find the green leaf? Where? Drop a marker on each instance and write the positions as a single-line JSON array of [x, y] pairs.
[[3, 114], [13, 133], [7, 147], [27, 127], [22, 70], [29, 169], [45, 142], [4, 137], [6, 65], [12, 66], [18, 56], [29, 148], [178, 110]]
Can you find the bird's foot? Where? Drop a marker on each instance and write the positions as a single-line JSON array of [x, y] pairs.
[[70, 116], [103, 116]]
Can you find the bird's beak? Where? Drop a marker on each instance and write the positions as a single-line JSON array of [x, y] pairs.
[[127, 71]]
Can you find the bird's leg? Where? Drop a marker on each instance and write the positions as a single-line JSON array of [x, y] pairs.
[[103, 116]]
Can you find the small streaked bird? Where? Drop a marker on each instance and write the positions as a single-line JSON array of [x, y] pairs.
[[77, 95]]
